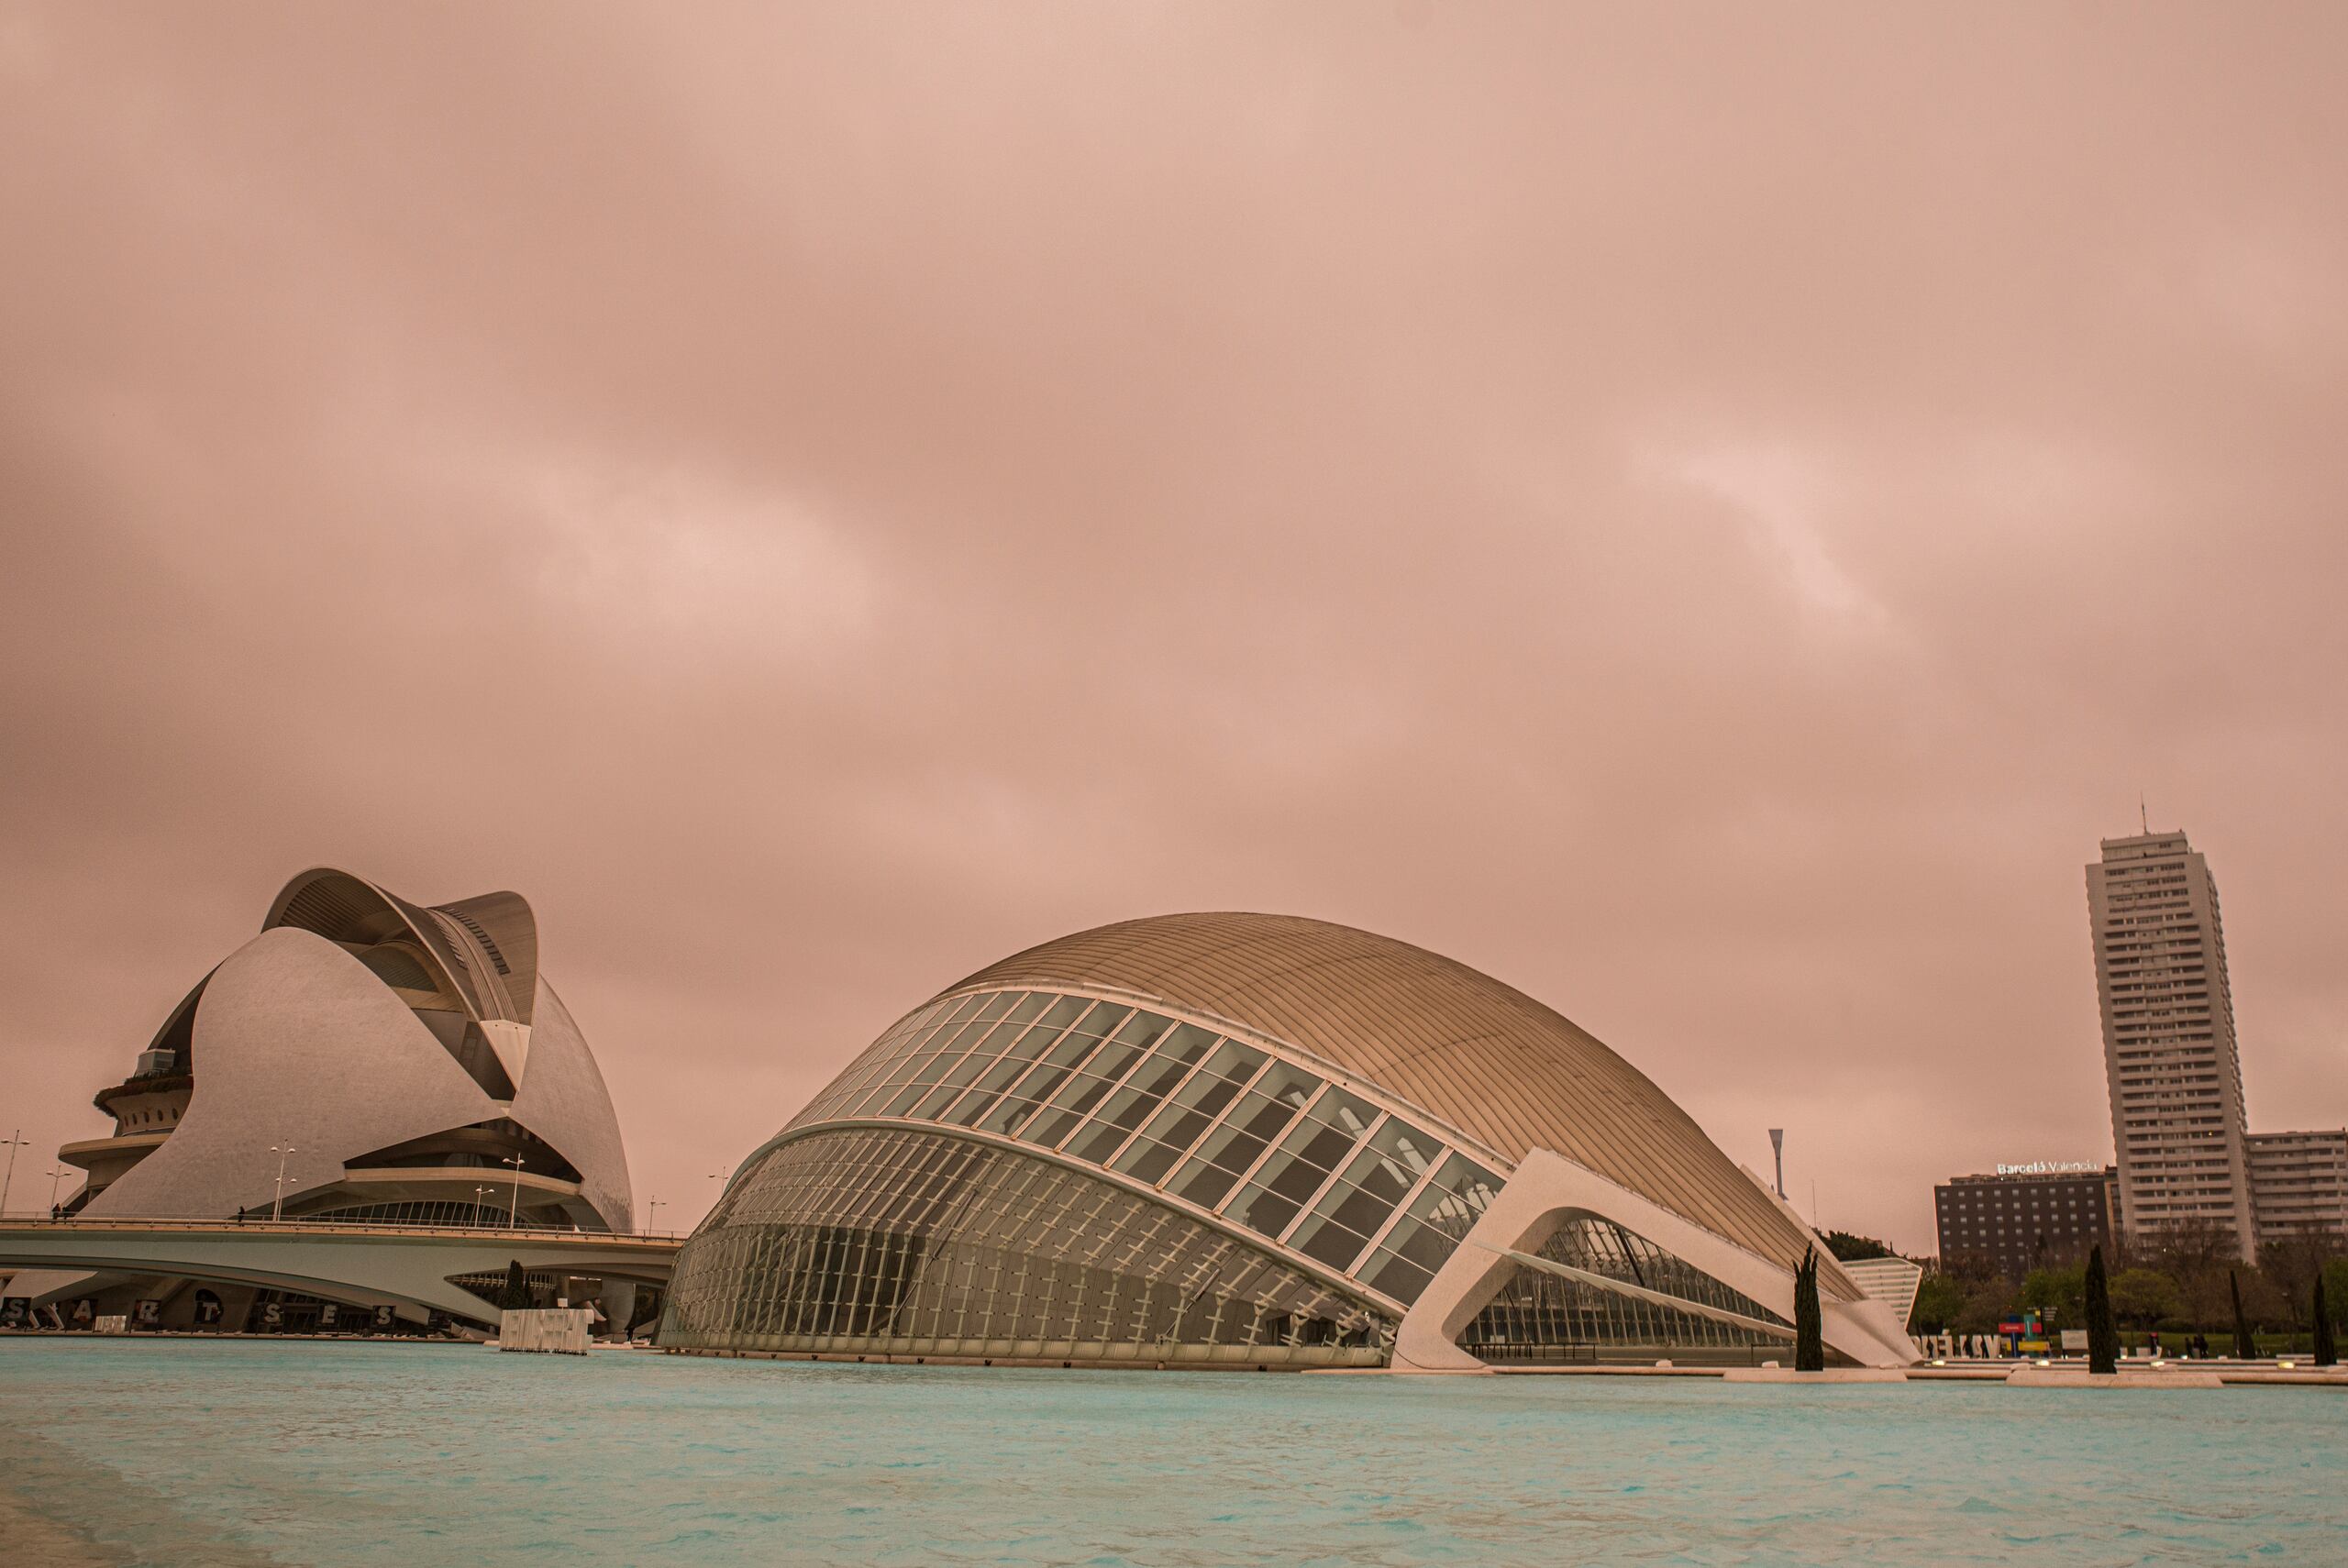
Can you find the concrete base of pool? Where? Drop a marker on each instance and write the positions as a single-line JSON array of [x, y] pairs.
[[1831, 1374], [2173, 1374]]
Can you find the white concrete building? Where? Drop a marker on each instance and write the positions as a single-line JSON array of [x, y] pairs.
[[1250, 1140], [363, 1060]]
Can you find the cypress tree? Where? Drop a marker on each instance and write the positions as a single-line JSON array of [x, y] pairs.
[[1809, 1336], [2245, 1349], [517, 1287], [2103, 1334], [2326, 1352]]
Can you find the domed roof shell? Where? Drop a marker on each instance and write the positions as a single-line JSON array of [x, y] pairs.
[[1496, 1064]]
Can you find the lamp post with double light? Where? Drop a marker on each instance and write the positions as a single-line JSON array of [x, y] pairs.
[[55, 1177], [283, 1152], [14, 1142], [514, 1211]]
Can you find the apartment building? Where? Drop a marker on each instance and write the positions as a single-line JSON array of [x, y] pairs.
[[2299, 1184], [2170, 1058]]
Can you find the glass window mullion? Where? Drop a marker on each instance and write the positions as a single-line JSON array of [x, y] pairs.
[[1140, 1061], [932, 1065], [1403, 1208], [869, 1077], [1337, 1174], [946, 1110], [1108, 1161], [1012, 1090], [1272, 1144], [1238, 1100]]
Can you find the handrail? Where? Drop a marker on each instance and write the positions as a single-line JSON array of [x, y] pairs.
[[263, 1224]]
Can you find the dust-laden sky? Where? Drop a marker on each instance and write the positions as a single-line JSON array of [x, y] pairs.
[[1705, 515]]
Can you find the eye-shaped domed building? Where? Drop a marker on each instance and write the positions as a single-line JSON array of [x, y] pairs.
[[1253, 1141]]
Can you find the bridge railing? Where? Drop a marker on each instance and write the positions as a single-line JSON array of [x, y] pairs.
[[263, 1223]]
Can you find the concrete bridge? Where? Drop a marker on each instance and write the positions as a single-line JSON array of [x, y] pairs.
[[407, 1267]]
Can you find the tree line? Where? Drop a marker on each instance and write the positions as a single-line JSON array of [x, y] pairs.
[[2185, 1283]]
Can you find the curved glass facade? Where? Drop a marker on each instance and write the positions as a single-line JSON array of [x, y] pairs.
[[1540, 1316], [1184, 1111], [902, 1242], [845, 1236]]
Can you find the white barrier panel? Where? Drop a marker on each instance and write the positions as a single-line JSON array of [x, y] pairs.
[[549, 1331], [119, 1324]]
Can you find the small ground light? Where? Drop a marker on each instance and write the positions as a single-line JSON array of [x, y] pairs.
[[1939, 1362], [2157, 1361], [2045, 1363], [2287, 1365]]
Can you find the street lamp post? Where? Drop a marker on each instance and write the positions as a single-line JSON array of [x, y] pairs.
[[652, 1213], [283, 1151], [480, 1193], [15, 1142], [54, 1178], [514, 1213]]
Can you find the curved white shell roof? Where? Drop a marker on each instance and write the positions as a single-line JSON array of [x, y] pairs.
[[295, 1040]]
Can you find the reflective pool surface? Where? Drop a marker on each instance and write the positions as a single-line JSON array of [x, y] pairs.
[[353, 1455]]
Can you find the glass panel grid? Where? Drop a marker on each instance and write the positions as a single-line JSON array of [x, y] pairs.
[[1209, 1120], [921, 1069], [1021, 1099], [1357, 1204], [1090, 1080], [911, 1243], [875, 1058], [988, 1070], [1188, 1111], [1447, 1206], [1230, 1154], [1539, 1316], [1295, 1173], [876, 1085], [1167, 1068]]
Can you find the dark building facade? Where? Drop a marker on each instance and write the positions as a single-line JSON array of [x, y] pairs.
[[2025, 1217]]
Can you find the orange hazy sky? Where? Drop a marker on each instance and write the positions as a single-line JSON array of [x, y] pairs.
[[1705, 514]]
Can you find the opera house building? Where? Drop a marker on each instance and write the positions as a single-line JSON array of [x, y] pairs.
[[362, 1061], [1249, 1141]]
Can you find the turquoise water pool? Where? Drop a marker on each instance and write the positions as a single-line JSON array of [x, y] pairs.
[[353, 1456]]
